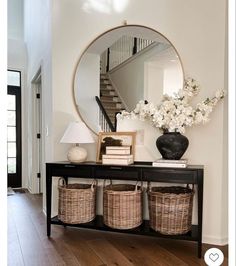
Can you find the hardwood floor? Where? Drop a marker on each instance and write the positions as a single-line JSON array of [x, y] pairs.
[[29, 245]]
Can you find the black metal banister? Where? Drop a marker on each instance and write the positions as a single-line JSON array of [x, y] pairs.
[[108, 60], [135, 46], [123, 49], [104, 113]]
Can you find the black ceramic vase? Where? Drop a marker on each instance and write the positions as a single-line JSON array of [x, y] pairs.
[[172, 145]]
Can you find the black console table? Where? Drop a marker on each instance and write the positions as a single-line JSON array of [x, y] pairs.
[[138, 171]]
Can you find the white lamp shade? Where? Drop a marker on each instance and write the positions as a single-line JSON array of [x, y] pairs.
[[77, 132]]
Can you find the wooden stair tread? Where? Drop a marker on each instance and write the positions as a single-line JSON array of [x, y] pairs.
[[103, 76], [105, 83], [106, 86], [109, 101], [107, 89], [112, 108], [107, 93], [109, 98]]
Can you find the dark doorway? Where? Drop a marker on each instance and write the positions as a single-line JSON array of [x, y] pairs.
[[14, 129]]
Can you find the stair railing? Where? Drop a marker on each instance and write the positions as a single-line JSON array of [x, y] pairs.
[[121, 50], [104, 120]]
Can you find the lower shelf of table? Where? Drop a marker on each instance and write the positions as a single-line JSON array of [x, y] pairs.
[[143, 229]]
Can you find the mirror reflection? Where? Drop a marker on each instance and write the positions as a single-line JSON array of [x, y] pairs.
[[121, 67]]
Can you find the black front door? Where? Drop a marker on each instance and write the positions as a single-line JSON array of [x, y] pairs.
[[14, 136]]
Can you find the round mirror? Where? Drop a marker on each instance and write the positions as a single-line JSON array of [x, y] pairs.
[[121, 67]]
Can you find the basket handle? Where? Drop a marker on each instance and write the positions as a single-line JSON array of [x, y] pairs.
[[189, 187], [94, 184], [149, 188], [104, 182], [136, 186], [63, 181]]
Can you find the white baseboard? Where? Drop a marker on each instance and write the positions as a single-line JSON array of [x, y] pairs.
[[219, 241]]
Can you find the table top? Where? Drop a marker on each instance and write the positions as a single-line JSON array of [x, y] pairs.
[[137, 164]]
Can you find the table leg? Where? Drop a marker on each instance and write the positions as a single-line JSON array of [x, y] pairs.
[[200, 210], [199, 251], [48, 199]]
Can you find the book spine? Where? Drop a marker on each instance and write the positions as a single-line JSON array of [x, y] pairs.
[[117, 147], [171, 161], [117, 156], [126, 152], [174, 165], [117, 161]]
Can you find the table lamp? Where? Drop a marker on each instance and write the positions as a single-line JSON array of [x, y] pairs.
[[77, 133]]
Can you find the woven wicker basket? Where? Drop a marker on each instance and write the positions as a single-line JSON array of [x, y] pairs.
[[76, 202], [122, 206], [170, 209]]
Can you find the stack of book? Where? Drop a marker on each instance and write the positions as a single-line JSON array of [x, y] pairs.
[[119, 155], [182, 163]]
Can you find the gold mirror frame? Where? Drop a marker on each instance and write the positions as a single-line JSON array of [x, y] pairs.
[[99, 36]]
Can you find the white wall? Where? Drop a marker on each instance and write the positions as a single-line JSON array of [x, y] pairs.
[[129, 81], [172, 80], [88, 78], [197, 29], [147, 76], [17, 60], [153, 82], [15, 19]]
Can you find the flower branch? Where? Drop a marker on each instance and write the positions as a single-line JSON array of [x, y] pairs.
[[174, 113]]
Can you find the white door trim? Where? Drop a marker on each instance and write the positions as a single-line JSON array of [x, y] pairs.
[[37, 143]]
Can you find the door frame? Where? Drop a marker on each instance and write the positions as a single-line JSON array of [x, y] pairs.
[[37, 146], [15, 180]]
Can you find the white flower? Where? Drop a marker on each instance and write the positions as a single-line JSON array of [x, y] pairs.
[[174, 113], [220, 94], [191, 87]]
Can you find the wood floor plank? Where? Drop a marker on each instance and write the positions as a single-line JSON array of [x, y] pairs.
[[62, 254], [133, 253], [14, 255], [108, 253], [80, 248], [29, 245], [71, 248], [56, 249], [187, 251], [32, 249], [158, 254]]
